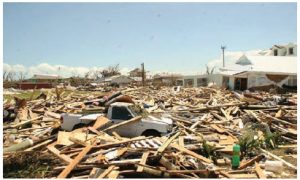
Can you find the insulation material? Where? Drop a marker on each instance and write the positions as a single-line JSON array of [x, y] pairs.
[[276, 78]]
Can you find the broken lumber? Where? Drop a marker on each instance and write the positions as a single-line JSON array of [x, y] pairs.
[[73, 163]]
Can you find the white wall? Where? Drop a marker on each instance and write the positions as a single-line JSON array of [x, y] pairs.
[[231, 82], [216, 79], [294, 49]]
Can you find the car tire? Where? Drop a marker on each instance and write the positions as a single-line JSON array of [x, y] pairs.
[[151, 132]]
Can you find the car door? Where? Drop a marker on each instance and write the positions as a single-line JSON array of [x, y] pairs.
[[121, 114]]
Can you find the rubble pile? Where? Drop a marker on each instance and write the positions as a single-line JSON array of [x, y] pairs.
[[211, 130]]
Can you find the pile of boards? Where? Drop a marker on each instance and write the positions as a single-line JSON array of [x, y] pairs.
[[207, 124]]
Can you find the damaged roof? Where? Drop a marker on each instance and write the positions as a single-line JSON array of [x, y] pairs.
[[269, 64]]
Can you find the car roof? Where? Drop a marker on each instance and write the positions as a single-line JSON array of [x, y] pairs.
[[121, 104]]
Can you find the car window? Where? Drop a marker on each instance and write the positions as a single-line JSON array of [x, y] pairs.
[[121, 113]]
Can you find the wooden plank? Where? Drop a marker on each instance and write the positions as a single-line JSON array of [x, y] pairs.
[[225, 114], [100, 122], [163, 147], [200, 171], [94, 131], [113, 174], [259, 171], [198, 156], [55, 151], [217, 128], [250, 162], [52, 114], [225, 174], [243, 176], [106, 172], [93, 172], [181, 141], [78, 141], [279, 159], [143, 161], [22, 123], [123, 123], [251, 113], [117, 135], [121, 142], [167, 164], [39, 145], [72, 165]]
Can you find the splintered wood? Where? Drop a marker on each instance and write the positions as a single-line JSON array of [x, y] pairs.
[[205, 124]]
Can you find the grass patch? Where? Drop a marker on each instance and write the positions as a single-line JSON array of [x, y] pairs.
[[27, 95], [29, 165]]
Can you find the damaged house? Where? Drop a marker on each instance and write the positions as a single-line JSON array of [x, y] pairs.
[[274, 67], [39, 81], [120, 80], [261, 72]]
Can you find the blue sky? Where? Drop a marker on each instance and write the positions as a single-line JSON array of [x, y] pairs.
[[180, 37]]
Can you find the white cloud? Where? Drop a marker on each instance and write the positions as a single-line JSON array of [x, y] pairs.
[[62, 70], [68, 71]]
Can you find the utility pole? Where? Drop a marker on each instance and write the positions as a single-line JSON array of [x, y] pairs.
[[223, 48], [143, 74]]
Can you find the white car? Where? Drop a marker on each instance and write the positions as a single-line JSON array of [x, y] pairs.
[[119, 112]]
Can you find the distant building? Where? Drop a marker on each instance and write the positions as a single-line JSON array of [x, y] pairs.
[[137, 72], [121, 80], [39, 81], [168, 79]]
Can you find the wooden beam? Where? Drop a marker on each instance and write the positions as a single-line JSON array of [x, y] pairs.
[[143, 161], [197, 171], [198, 156], [106, 172], [113, 174], [22, 123], [181, 141], [72, 165], [164, 146], [167, 164], [259, 171], [121, 142], [251, 161], [225, 174], [55, 151], [279, 159], [100, 122], [39, 145]]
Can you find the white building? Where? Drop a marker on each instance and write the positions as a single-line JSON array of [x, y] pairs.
[[257, 71], [118, 79], [276, 66]]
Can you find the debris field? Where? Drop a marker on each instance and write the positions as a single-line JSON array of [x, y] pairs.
[[207, 123]]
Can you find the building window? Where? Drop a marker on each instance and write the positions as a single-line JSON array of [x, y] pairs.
[[275, 52], [291, 50], [179, 83], [189, 82], [201, 82]]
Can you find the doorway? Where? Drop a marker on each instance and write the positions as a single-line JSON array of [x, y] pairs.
[[240, 84]]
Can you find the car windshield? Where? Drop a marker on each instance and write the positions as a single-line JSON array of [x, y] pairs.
[[138, 111]]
